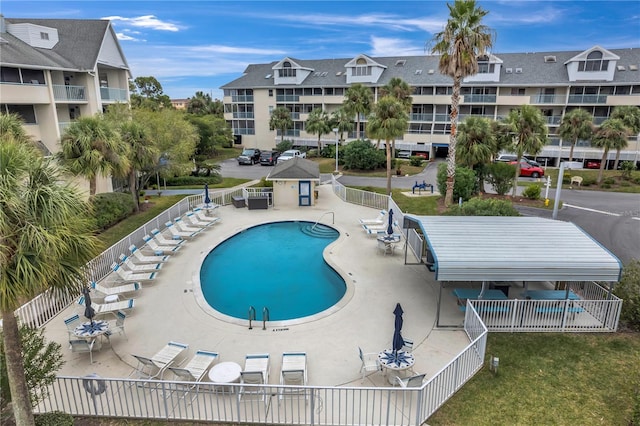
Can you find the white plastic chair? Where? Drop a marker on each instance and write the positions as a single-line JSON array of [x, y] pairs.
[[410, 382], [256, 372], [294, 373], [81, 345], [143, 258], [370, 362], [117, 326]]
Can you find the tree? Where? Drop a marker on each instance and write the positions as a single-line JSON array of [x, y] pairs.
[[630, 116], [141, 154], [465, 183], [318, 123], [390, 121], [214, 132], [202, 104], [400, 90], [281, 120], [46, 241], [358, 101], [92, 147], [528, 131], [501, 177], [146, 92], [340, 120], [576, 125], [475, 146], [459, 45], [611, 134], [362, 155]]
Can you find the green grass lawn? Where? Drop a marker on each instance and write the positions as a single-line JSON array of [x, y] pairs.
[[328, 165], [615, 183]]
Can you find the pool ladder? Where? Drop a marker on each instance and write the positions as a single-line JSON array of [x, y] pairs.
[[252, 317], [333, 219]]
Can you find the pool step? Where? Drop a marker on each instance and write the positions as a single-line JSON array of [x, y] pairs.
[[319, 231]]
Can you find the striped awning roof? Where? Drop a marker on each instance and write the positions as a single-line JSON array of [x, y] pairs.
[[483, 248]]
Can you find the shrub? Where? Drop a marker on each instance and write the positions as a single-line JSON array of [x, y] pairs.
[[313, 152], [627, 167], [587, 181], [463, 186], [609, 181], [285, 145], [110, 208], [54, 418], [605, 186], [636, 180], [362, 155], [483, 207], [532, 192], [193, 180], [628, 289], [416, 161], [329, 151], [501, 177]]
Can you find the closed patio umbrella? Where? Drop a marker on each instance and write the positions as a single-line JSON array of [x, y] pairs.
[[390, 227], [398, 341], [89, 312], [207, 200]]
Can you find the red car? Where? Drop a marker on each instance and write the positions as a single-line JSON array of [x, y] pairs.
[[527, 170], [593, 164]]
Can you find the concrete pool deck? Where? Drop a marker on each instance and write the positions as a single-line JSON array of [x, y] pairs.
[[168, 308]]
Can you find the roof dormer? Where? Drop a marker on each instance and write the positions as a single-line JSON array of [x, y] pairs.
[[288, 71], [34, 35], [488, 70], [595, 64], [363, 69]]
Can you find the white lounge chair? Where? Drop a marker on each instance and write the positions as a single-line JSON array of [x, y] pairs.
[[294, 373], [197, 367], [256, 372], [184, 227], [197, 221], [143, 258], [130, 276], [116, 290], [151, 368], [159, 237], [204, 214], [369, 361], [376, 221], [139, 267], [159, 249], [373, 230], [177, 233], [103, 308]]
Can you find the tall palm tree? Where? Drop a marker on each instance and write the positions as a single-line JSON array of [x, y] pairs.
[[528, 130], [400, 90], [358, 101], [318, 123], [611, 134], [459, 45], [390, 120], [575, 125], [142, 153], [341, 120], [46, 240], [281, 120], [630, 116], [91, 147], [475, 145]]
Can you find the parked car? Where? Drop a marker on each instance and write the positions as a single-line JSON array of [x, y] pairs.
[[527, 170], [269, 158], [288, 155], [513, 158], [249, 156], [592, 164]]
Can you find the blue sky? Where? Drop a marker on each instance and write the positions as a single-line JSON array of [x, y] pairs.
[[194, 46]]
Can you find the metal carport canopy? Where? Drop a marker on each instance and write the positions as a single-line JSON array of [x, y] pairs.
[[498, 248]]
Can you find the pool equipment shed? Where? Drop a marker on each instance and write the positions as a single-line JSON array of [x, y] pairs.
[[294, 183]]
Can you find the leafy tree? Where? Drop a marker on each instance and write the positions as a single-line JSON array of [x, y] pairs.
[[464, 184], [463, 39], [501, 177], [318, 123], [630, 116], [358, 101], [340, 120], [46, 242], [281, 120], [361, 155], [202, 104], [528, 130], [576, 125], [390, 120], [92, 147], [475, 146], [610, 135], [214, 132], [146, 92], [628, 289], [484, 207], [284, 145]]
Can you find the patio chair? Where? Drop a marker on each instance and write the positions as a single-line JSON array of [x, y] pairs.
[[117, 326], [375, 221], [293, 373], [197, 367], [410, 382], [191, 217], [256, 372], [374, 229], [103, 308], [143, 267], [370, 362], [82, 345], [142, 258], [116, 290], [159, 237], [385, 247], [159, 249], [203, 216], [154, 367], [130, 276], [182, 226], [177, 233], [407, 346], [72, 322]]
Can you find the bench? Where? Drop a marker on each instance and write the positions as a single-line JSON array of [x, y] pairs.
[[487, 309], [558, 309]]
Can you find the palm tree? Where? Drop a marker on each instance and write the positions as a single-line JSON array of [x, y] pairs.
[[611, 134], [92, 147], [575, 125], [318, 123], [400, 90], [200, 104], [46, 240], [281, 120], [390, 120], [358, 101], [475, 145], [630, 116], [459, 45], [528, 130], [340, 120], [142, 153]]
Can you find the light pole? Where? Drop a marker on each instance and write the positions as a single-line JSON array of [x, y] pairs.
[[335, 130]]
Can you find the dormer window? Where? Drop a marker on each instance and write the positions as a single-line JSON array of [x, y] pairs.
[[594, 62], [484, 67], [361, 68], [286, 70]]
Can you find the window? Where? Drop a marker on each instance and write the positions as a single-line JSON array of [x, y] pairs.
[[444, 90], [44, 36], [286, 70], [517, 91], [9, 75], [594, 62], [32, 76], [104, 80], [328, 91], [361, 70], [270, 92], [26, 112], [484, 67]]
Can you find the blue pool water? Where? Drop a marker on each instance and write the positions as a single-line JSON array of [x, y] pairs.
[[276, 265]]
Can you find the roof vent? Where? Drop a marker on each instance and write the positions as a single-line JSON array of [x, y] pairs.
[[633, 68], [323, 74], [401, 62], [621, 68], [518, 70], [418, 72], [267, 76], [316, 74], [339, 73], [431, 71], [550, 59], [508, 70]]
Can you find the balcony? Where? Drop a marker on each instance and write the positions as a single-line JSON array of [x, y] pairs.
[[244, 131], [442, 118], [63, 92], [243, 115], [547, 99], [587, 99], [287, 98], [112, 94], [553, 120], [480, 99], [242, 98], [422, 117]]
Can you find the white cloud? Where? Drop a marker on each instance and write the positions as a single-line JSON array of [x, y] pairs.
[[147, 21], [125, 37], [520, 16], [215, 48], [381, 46]]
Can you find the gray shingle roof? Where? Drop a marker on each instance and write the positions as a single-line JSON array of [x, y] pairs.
[[296, 168], [535, 71], [78, 46]]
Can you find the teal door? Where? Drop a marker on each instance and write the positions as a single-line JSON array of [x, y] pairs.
[[304, 193]]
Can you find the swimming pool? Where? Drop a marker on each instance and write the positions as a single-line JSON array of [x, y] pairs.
[[279, 266]]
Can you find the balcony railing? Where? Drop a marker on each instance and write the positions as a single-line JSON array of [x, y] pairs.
[[553, 120], [244, 131], [243, 115], [242, 98], [547, 99], [112, 94], [587, 99], [442, 118], [63, 92], [287, 98], [63, 126], [421, 117], [484, 99]]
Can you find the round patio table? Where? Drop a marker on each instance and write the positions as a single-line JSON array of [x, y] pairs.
[[91, 329], [225, 372], [395, 360]]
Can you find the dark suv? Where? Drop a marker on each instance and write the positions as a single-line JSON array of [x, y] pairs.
[[269, 158], [249, 156]]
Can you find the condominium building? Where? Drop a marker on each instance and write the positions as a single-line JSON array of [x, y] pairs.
[[596, 79], [56, 70]]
